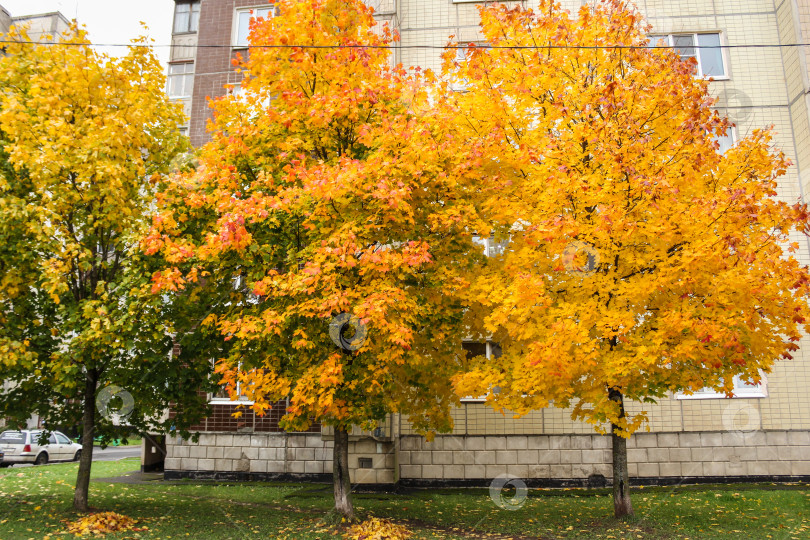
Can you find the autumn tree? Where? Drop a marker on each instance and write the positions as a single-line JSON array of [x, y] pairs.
[[641, 260], [323, 200], [82, 133]]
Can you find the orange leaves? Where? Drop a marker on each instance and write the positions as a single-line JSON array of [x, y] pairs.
[[170, 279], [331, 373], [331, 186], [102, 523], [314, 392], [377, 529], [612, 149], [232, 232]]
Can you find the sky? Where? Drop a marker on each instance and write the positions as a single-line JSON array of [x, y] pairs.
[[109, 21]]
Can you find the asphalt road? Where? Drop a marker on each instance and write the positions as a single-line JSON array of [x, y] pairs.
[[111, 453], [114, 453]]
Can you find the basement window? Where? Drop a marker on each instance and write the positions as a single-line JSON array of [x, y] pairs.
[[741, 390]]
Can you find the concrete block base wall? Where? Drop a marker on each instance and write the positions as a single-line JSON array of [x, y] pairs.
[[586, 459], [564, 460], [274, 456]]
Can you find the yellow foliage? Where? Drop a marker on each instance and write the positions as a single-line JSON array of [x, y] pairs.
[[80, 133], [102, 523], [377, 529], [640, 260]]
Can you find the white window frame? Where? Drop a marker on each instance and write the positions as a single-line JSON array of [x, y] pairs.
[[740, 391], [462, 48], [191, 5], [731, 133], [271, 10], [491, 247], [723, 55], [190, 74], [213, 399], [235, 90]]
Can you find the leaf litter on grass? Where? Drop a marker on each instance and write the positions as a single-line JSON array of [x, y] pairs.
[[101, 523], [377, 529]]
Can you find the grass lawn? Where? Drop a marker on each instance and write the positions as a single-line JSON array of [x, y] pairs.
[[35, 503]]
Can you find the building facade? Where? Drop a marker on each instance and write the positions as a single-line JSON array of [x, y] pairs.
[[41, 24], [206, 36], [762, 433]]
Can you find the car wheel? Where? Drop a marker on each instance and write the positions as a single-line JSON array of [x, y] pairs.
[[42, 459], [4, 465], [78, 455]]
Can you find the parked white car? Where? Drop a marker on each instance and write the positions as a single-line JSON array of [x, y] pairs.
[[24, 447]]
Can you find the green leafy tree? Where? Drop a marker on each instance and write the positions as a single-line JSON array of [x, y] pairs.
[[82, 136]]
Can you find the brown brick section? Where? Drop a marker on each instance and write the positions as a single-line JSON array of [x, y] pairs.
[[222, 419], [173, 412], [213, 68]]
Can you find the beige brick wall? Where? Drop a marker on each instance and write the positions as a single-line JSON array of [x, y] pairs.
[[565, 457], [277, 454], [454, 458], [794, 27]]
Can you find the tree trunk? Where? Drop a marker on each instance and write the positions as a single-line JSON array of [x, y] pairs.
[[340, 475], [621, 477], [88, 430]]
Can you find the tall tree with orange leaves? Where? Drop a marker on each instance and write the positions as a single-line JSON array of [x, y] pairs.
[[641, 260], [323, 201]]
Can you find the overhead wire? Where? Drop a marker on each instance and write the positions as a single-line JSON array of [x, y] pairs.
[[393, 47]]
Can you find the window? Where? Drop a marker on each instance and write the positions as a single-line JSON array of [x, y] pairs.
[[62, 439], [489, 350], [491, 247], [741, 390], [463, 51], [181, 80], [242, 22], [221, 396], [236, 90], [12, 437], [725, 141], [240, 284], [705, 48], [254, 103], [186, 17]]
